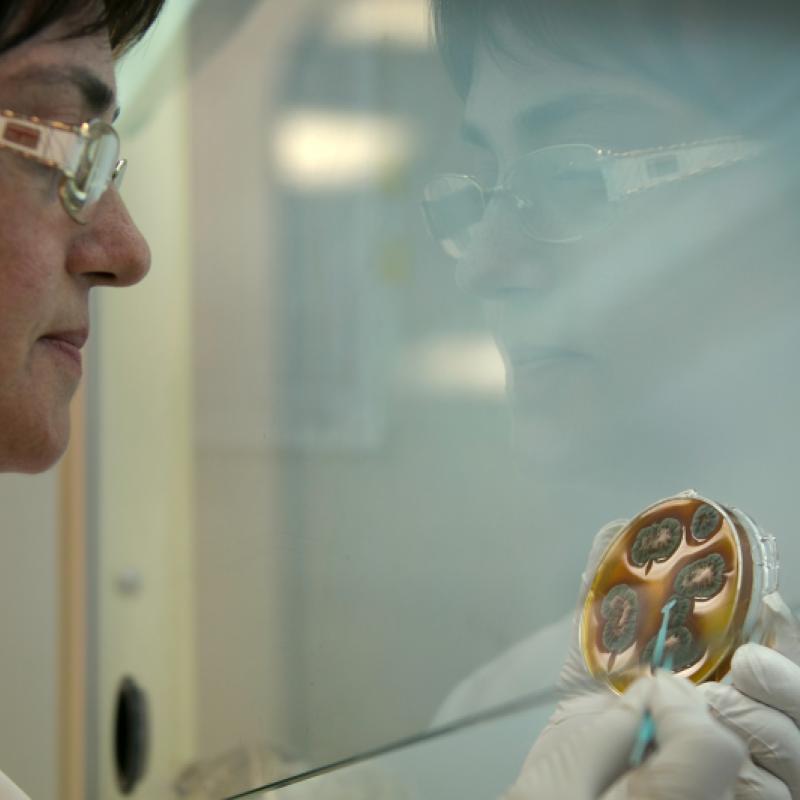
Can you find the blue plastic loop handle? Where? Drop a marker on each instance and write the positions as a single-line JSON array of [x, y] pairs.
[[647, 728]]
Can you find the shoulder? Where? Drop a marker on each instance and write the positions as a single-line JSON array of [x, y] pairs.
[[528, 666], [9, 790]]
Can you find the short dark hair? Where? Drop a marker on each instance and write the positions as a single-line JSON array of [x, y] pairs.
[[649, 36], [125, 20]]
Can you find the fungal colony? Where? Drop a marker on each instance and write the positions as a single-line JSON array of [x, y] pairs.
[[701, 579], [705, 522], [620, 609], [656, 542]]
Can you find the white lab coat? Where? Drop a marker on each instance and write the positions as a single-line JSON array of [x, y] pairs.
[[9, 790], [529, 666]]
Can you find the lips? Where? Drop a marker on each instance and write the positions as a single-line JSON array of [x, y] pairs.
[[548, 379], [76, 338], [67, 345], [531, 357]]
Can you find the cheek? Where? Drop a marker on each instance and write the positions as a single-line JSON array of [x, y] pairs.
[[34, 390], [28, 285], [36, 294], [665, 277], [703, 277]]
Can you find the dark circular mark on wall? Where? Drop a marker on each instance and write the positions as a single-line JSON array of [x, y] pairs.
[[131, 735]]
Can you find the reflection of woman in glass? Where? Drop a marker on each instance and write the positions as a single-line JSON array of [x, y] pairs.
[[633, 230], [629, 293]]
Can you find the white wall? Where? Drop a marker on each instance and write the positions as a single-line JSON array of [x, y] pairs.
[[342, 591], [140, 420], [28, 631]]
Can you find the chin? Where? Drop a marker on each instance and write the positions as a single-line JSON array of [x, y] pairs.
[[557, 453], [38, 462], [556, 427], [33, 461], [34, 448], [572, 449], [540, 445]]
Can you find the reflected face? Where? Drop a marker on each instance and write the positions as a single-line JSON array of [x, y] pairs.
[[48, 262], [623, 335]]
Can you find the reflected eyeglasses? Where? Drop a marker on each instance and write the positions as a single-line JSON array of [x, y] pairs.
[[87, 156], [564, 193]]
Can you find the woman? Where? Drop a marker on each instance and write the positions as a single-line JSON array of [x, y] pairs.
[[632, 229], [63, 227], [57, 63]]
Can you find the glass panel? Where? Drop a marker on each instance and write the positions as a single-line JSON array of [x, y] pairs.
[[470, 759], [401, 459], [359, 507]]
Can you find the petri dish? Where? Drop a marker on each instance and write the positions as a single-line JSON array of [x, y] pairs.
[[713, 560]]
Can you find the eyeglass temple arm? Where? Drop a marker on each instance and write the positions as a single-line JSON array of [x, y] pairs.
[[54, 147], [629, 173]]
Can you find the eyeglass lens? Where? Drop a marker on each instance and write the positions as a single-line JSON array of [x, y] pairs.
[[94, 174], [453, 204], [560, 195]]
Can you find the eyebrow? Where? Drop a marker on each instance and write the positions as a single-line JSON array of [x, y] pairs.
[[472, 133], [541, 119], [98, 97], [549, 116]]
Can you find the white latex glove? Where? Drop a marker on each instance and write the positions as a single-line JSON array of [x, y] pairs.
[[696, 757], [763, 707], [574, 675], [586, 702]]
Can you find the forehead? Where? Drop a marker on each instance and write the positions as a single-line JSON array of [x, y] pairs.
[[54, 73], [524, 96]]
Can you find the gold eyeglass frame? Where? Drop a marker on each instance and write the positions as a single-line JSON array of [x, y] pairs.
[[70, 149], [625, 173]]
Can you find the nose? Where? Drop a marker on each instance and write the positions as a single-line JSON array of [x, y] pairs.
[[109, 250], [502, 257]]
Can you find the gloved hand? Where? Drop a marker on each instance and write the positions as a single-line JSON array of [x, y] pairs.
[[763, 707], [586, 702], [696, 759], [574, 675]]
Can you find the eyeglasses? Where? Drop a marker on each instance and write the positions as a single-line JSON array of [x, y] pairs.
[[87, 155], [564, 193]]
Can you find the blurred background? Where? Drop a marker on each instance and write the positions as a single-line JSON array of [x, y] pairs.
[[304, 523], [292, 519]]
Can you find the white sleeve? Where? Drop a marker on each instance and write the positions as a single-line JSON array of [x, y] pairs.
[[529, 666], [9, 790]]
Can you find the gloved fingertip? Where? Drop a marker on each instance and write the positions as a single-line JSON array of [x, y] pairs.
[[714, 693], [662, 689], [608, 533], [745, 655], [783, 626], [755, 664], [602, 539], [777, 605], [671, 688]]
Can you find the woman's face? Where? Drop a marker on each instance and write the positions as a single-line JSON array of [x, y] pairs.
[[637, 344], [48, 262]]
